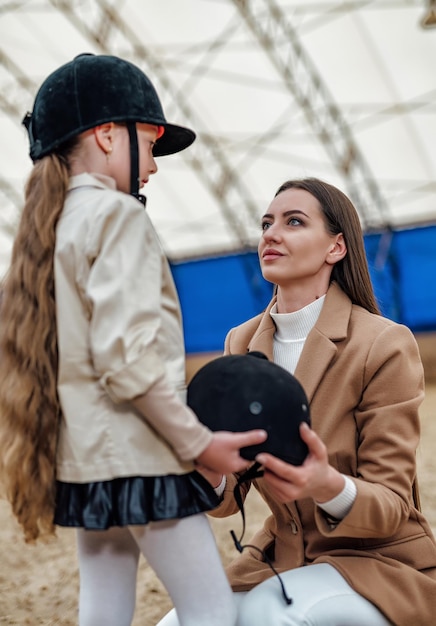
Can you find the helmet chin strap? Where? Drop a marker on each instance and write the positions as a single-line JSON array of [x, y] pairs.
[[134, 163], [255, 471]]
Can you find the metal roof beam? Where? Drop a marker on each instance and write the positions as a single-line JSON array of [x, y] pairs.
[[11, 96], [268, 22]]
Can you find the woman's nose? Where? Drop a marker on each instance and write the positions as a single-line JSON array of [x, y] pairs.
[[271, 233]]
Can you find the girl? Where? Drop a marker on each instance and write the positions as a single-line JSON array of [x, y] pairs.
[[345, 531], [94, 431]]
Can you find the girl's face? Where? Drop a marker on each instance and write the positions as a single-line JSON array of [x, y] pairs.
[[295, 248], [119, 159]]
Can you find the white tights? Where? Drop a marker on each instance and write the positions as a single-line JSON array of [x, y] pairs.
[[182, 553]]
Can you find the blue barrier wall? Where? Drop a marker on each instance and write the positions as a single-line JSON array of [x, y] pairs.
[[219, 293], [404, 277]]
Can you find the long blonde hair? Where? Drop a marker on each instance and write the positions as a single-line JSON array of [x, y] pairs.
[[29, 405]]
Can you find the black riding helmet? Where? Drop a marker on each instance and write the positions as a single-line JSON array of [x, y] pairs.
[[94, 89], [244, 392]]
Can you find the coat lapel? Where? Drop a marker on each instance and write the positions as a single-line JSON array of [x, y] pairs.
[[320, 347], [262, 339]]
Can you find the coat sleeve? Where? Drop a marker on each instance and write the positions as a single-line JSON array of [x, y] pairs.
[[124, 288], [124, 291], [388, 431]]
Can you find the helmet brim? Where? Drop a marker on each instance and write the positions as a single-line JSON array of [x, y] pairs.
[[174, 139]]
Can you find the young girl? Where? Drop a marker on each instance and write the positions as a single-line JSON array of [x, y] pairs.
[[94, 430], [345, 531]]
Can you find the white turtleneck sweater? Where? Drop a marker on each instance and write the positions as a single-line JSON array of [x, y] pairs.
[[291, 333]]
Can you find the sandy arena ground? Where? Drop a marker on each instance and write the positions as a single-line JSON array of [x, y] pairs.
[[39, 584]]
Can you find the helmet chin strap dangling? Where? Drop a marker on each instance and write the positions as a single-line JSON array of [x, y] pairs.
[[255, 471], [134, 163]]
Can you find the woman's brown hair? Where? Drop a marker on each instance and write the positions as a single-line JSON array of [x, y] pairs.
[[29, 405], [340, 216]]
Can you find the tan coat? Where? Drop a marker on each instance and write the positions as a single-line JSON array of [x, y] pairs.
[[119, 332], [364, 380]]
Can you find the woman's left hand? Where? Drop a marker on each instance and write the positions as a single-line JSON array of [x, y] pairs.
[[315, 478]]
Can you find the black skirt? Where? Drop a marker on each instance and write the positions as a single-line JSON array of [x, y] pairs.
[[134, 500]]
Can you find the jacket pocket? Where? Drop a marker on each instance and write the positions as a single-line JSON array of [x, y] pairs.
[[418, 551]]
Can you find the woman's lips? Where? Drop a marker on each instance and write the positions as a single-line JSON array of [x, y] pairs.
[[270, 254]]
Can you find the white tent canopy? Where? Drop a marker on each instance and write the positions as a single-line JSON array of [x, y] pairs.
[[345, 91]]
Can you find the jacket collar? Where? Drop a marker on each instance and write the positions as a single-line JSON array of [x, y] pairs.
[[91, 180], [321, 344]]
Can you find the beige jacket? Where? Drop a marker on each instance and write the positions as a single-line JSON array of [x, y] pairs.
[[364, 380], [119, 332]]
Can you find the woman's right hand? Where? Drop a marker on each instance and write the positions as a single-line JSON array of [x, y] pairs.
[[222, 455]]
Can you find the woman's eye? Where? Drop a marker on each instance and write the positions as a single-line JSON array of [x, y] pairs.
[[265, 225], [294, 221]]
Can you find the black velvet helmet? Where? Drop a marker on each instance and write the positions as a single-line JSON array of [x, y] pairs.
[[91, 90], [244, 392]]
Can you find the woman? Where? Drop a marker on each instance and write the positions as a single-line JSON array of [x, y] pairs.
[[345, 531]]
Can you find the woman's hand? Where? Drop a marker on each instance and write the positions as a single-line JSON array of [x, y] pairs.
[[222, 454], [315, 478]]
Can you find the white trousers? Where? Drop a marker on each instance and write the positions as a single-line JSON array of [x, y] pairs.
[[321, 597], [183, 554]]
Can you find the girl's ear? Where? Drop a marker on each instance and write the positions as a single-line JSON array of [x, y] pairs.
[[337, 251], [104, 135]]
